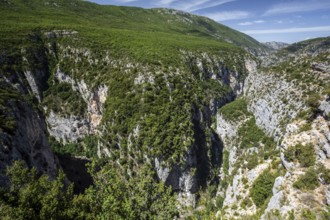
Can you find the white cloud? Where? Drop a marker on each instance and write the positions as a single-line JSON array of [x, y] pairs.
[[191, 5], [166, 2], [289, 30], [126, 1], [208, 4], [301, 6], [247, 23], [228, 15], [184, 5]]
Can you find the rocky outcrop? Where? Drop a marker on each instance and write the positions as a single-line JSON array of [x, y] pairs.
[[275, 102], [269, 100], [28, 142], [71, 128], [67, 129], [204, 154], [273, 45]]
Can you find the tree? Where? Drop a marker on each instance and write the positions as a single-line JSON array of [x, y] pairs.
[[33, 196], [139, 197], [113, 195]]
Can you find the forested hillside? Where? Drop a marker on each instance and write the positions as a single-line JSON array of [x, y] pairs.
[[113, 112]]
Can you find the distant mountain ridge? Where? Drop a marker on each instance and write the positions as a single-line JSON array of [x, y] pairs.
[[274, 45], [179, 117]]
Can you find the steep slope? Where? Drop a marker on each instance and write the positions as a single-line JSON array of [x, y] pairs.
[[289, 101], [116, 87], [273, 45], [143, 94], [109, 19]]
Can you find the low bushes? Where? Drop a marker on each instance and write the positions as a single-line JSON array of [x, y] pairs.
[[234, 110], [305, 154], [262, 188], [308, 181]]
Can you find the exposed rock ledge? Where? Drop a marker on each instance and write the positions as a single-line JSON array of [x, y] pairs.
[[71, 128]]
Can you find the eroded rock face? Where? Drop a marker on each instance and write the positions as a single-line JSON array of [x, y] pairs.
[[269, 100], [227, 130], [28, 139], [29, 142], [318, 136], [70, 128], [275, 103], [67, 129]]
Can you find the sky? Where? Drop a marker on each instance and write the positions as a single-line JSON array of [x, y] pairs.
[[265, 20]]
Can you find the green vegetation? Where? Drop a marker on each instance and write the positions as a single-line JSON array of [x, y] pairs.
[[225, 161], [164, 108], [307, 214], [252, 136], [61, 98], [308, 181], [313, 101], [252, 161], [246, 203], [209, 202], [305, 154], [124, 29], [235, 110], [326, 213], [302, 71], [84, 147], [7, 119], [262, 188], [32, 196], [324, 173]]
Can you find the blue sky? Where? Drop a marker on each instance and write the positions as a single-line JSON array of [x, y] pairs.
[[265, 20]]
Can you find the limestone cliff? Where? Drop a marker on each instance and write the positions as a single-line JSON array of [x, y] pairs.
[[298, 121]]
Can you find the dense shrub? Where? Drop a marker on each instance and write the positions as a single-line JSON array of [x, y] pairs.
[[313, 101], [252, 136], [305, 154], [235, 110], [61, 98], [225, 161], [324, 173], [252, 161], [307, 214], [308, 181], [33, 196], [261, 189]]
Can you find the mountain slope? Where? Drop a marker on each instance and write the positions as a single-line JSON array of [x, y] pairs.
[[288, 98], [167, 106], [276, 45], [112, 85], [87, 17]]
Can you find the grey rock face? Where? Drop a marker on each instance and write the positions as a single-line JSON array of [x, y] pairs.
[[70, 128], [278, 195], [67, 129], [33, 85], [182, 179], [327, 194], [29, 142], [273, 45], [269, 100], [325, 106]]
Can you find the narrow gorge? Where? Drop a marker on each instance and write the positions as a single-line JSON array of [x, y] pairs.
[[183, 118]]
